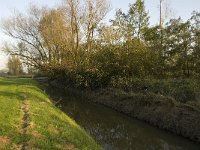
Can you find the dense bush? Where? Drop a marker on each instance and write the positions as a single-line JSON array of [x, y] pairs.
[[180, 89]]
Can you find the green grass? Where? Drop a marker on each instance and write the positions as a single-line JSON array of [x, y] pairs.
[[49, 127]]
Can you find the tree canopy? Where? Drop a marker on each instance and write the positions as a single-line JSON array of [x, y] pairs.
[[72, 42]]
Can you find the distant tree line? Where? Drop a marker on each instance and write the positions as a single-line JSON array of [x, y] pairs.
[[71, 43]]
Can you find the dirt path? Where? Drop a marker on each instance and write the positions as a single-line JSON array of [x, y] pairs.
[[25, 123]]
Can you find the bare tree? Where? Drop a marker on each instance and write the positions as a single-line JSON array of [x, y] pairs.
[[50, 37], [84, 19], [165, 11], [25, 30], [95, 11], [72, 13]]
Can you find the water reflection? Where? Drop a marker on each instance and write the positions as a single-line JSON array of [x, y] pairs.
[[115, 131]]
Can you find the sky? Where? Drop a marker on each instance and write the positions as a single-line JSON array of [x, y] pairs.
[[181, 8]]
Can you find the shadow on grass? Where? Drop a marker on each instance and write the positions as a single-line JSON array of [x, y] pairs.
[[22, 89], [11, 95], [15, 82]]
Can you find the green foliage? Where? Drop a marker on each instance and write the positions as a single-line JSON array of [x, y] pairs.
[[76, 49], [180, 90], [133, 23], [129, 50]]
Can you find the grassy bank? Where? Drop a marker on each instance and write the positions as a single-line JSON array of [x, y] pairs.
[[29, 119]]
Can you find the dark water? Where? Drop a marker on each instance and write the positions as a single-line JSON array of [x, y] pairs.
[[115, 131]]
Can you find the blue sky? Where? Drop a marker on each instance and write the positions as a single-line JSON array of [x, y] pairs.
[[181, 8]]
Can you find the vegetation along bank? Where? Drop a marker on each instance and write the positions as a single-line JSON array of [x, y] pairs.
[[72, 44], [172, 105]]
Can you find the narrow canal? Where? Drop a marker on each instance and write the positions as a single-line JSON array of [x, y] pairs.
[[115, 131]]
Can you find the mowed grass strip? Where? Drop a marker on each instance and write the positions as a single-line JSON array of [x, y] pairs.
[[49, 128]]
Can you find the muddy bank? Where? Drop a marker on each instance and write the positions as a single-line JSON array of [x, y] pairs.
[[161, 111]]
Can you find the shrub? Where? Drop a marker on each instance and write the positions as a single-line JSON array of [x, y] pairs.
[[179, 89]]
